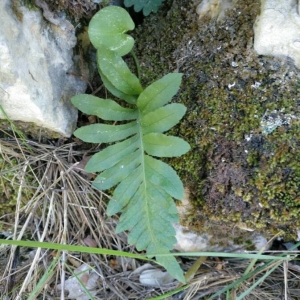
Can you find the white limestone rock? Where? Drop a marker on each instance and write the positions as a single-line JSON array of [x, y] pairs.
[[189, 241], [277, 29], [155, 278], [35, 57], [214, 9]]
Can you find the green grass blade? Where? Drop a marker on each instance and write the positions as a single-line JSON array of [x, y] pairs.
[[227, 288], [171, 293], [48, 274], [82, 249], [82, 285], [15, 129], [232, 255], [253, 286]]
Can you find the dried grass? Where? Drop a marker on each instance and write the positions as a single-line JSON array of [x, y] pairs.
[[65, 208], [209, 281]]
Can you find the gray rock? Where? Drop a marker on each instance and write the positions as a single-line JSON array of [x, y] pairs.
[[156, 278], [241, 121], [190, 241], [35, 58], [214, 9], [277, 29]]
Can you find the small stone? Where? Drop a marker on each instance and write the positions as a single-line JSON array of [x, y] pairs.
[[155, 278]]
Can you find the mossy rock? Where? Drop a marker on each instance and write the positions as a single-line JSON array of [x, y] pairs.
[[29, 130], [239, 170]]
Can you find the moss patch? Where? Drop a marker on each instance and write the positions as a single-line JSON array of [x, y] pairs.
[[10, 181], [30, 130], [235, 171]]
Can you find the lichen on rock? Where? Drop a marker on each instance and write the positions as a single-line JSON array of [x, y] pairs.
[[236, 173]]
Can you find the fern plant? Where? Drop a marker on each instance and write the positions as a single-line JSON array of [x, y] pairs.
[[145, 186], [147, 6]]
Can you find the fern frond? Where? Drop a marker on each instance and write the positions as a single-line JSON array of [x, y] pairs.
[[117, 72], [113, 23], [145, 186], [103, 133], [105, 109], [148, 6]]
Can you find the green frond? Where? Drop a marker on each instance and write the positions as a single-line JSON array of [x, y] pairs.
[[161, 145], [144, 186], [147, 6], [112, 176], [105, 109], [131, 99], [159, 93], [161, 174], [103, 133], [108, 28], [111, 155], [163, 118], [117, 72]]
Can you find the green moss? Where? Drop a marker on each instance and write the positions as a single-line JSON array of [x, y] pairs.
[[29, 4], [32, 130], [10, 180], [235, 172]]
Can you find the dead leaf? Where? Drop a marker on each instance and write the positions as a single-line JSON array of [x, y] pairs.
[[89, 241], [92, 119], [87, 279], [155, 278]]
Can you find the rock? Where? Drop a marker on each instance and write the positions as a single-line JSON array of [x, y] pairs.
[[214, 8], [155, 278], [277, 29], [35, 58], [272, 120], [189, 241], [242, 123]]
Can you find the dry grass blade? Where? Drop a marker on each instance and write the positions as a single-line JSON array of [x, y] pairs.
[[54, 202], [275, 286], [62, 208]]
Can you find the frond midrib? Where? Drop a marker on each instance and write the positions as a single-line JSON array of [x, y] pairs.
[[146, 199]]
